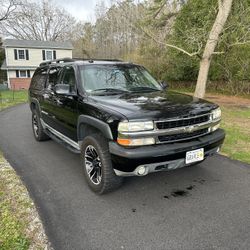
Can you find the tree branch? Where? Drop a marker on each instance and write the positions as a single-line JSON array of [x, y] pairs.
[[218, 52], [11, 7], [159, 9], [171, 45], [238, 43]]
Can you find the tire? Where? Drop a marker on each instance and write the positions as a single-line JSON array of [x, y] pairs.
[[95, 151], [37, 128]]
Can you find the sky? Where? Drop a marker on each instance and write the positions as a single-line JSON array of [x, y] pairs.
[[82, 10]]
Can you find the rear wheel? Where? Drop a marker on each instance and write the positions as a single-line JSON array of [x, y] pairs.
[[97, 165], [38, 131]]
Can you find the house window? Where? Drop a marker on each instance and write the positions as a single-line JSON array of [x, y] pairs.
[[22, 73], [21, 54], [49, 55]]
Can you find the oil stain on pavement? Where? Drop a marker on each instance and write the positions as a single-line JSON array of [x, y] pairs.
[[186, 191]]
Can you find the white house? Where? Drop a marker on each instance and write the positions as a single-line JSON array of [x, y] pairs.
[[22, 57]]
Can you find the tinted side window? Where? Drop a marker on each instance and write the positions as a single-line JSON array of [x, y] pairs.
[[68, 77], [52, 77], [39, 79]]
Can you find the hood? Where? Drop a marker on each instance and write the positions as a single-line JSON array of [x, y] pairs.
[[154, 105]]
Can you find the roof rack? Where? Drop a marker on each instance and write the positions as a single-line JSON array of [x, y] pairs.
[[60, 60], [67, 59], [96, 59]]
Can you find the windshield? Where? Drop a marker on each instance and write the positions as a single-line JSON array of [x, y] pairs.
[[117, 79]]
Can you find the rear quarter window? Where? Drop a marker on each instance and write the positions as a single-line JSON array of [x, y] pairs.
[[39, 79]]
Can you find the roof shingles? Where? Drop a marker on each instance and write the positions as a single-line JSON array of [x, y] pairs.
[[37, 44]]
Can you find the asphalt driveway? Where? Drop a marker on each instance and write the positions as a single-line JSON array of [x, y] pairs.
[[202, 207]]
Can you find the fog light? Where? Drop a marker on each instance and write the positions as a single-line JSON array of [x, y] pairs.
[[218, 150], [141, 170], [215, 127]]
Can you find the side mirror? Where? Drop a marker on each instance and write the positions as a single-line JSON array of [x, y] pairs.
[[63, 89], [164, 84]]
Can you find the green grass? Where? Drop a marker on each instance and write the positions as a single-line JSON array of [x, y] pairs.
[[14, 207], [10, 98], [236, 122]]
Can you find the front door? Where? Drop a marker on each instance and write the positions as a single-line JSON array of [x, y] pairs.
[[65, 106]]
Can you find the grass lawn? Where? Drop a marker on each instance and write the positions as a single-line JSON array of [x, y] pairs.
[[13, 207], [10, 98], [20, 226], [236, 122]]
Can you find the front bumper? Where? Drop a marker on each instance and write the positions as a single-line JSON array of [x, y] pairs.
[[161, 157]]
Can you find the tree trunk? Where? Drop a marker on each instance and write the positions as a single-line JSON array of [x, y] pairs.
[[225, 7]]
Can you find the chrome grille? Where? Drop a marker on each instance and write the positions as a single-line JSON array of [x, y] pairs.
[[175, 123]]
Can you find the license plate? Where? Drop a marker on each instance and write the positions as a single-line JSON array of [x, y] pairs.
[[195, 155]]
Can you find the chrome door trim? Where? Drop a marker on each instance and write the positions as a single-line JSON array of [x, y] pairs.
[[60, 135]]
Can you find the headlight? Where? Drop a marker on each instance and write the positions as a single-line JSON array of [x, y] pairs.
[[136, 141], [216, 114], [135, 126]]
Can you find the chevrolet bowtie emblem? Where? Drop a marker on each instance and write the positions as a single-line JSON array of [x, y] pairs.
[[189, 129]]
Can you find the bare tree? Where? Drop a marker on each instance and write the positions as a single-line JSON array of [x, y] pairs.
[[7, 8], [225, 7], [39, 21], [84, 45], [116, 35]]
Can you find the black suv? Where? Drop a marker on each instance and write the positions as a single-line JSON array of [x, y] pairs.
[[120, 119]]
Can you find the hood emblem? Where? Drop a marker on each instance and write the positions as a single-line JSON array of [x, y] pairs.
[[189, 129]]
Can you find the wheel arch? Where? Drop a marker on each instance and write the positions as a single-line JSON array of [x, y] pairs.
[[87, 125], [34, 104]]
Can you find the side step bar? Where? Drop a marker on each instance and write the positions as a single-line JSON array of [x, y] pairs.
[[60, 138]]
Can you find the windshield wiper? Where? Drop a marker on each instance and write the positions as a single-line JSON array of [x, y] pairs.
[[141, 88], [109, 90]]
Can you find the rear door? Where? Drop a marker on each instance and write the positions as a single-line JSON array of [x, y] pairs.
[[48, 97], [37, 87]]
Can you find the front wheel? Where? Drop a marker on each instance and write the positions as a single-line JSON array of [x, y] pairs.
[[97, 165]]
